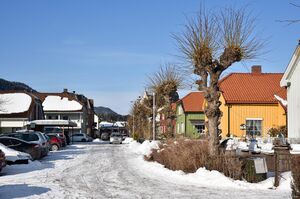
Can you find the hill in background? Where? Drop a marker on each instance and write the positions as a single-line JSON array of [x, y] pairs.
[[11, 85], [106, 114]]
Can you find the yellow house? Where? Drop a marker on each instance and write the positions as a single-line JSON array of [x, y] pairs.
[[252, 103]]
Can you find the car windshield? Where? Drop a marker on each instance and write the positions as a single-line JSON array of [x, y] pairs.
[[52, 130], [29, 137]]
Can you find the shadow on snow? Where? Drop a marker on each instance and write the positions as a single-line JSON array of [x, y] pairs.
[[20, 190]]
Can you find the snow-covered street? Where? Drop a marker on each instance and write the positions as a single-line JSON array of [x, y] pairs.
[[101, 170]]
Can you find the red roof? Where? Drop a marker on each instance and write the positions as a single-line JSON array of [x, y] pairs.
[[252, 88], [193, 102]]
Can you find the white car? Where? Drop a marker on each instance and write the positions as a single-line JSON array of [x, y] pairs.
[[15, 157], [80, 137], [115, 138]]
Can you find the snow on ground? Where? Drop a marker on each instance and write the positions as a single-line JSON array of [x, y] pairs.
[[14, 103], [53, 103], [99, 170]]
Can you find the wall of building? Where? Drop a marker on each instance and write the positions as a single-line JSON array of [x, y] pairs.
[[293, 92], [272, 115], [191, 131]]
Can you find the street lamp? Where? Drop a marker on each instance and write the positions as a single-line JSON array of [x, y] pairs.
[[133, 119], [153, 116]]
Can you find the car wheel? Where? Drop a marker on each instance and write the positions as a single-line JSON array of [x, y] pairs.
[[54, 147], [83, 140]]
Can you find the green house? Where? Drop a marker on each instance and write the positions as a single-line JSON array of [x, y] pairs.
[[190, 115]]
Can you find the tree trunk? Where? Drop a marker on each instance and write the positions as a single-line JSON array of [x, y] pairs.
[[213, 114]]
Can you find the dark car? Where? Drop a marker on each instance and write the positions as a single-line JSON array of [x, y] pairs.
[[20, 145], [34, 137], [2, 160], [55, 142]]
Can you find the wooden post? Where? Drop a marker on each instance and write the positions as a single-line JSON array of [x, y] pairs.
[[276, 183]]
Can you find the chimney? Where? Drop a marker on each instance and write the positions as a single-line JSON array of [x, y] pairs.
[[256, 69], [65, 90]]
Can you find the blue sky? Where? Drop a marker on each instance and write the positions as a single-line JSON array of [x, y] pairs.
[[106, 49]]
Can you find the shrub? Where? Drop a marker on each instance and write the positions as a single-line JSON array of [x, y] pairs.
[[190, 155], [296, 177], [275, 132]]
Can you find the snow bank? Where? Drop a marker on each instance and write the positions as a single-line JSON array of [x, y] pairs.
[[14, 103], [144, 148], [128, 140], [267, 148], [202, 177], [53, 103], [295, 149]]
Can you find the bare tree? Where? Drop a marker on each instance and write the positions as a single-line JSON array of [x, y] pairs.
[[165, 83], [291, 21], [211, 43], [139, 119]]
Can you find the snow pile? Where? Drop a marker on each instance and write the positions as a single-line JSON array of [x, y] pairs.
[[243, 146], [295, 149], [205, 178], [14, 103], [128, 140], [144, 148], [267, 148], [232, 144], [55, 103]]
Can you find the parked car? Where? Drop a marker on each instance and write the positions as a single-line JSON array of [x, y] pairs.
[[59, 131], [55, 141], [115, 138], [15, 157], [35, 137], [20, 145], [2, 160], [80, 137]]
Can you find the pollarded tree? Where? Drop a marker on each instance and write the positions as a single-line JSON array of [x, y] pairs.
[[165, 84], [211, 43], [139, 120]]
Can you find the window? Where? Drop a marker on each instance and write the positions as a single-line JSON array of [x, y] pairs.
[[65, 117], [254, 127], [198, 126]]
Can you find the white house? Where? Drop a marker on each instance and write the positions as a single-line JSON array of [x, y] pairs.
[[69, 106], [291, 80]]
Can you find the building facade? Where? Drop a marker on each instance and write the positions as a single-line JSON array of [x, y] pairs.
[[291, 80], [190, 118], [17, 108], [250, 103]]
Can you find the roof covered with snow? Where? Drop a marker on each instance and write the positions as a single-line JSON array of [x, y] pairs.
[[14, 103], [58, 103]]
